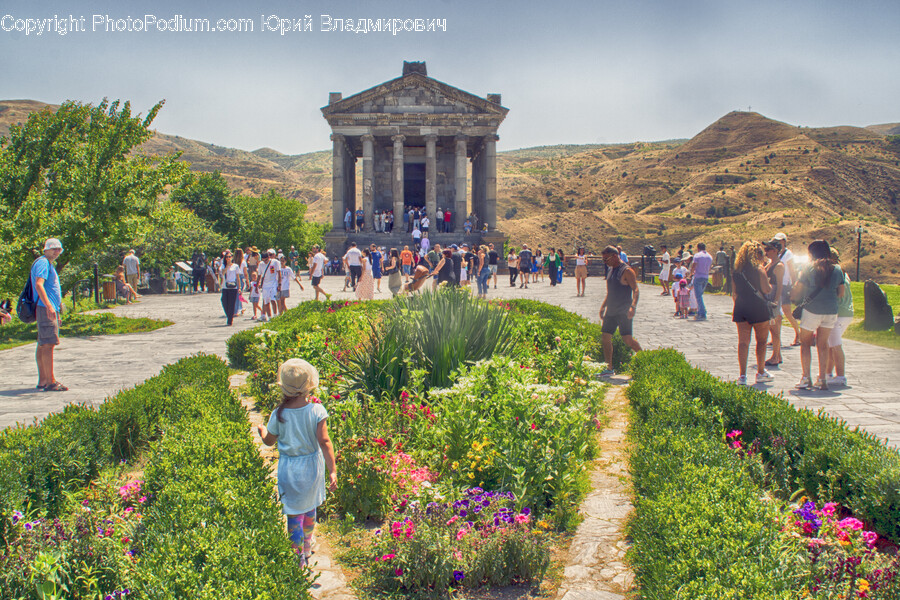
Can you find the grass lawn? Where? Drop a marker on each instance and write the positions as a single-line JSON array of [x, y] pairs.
[[887, 339], [17, 333]]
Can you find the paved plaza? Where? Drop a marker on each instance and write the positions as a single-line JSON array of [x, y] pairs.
[[97, 367]]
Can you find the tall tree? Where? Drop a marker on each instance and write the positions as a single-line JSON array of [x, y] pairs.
[[71, 174], [275, 221], [207, 196]]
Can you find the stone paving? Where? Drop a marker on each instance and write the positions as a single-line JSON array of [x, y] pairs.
[[95, 368], [596, 568]]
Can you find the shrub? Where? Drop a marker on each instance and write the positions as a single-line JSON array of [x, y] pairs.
[[481, 539], [819, 454]]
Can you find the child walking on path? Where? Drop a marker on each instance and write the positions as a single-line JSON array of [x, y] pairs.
[[304, 452]]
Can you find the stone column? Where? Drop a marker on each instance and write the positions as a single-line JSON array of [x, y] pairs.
[[368, 178], [431, 177], [459, 212], [489, 205], [338, 191], [397, 179]]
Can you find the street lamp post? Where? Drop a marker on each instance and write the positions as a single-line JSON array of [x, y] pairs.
[[859, 231]]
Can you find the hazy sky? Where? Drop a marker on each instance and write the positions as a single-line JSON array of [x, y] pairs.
[[595, 71]]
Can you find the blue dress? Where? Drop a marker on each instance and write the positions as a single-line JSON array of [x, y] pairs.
[[301, 464], [376, 265]]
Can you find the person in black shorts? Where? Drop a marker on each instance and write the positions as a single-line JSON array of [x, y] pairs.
[[617, 310]]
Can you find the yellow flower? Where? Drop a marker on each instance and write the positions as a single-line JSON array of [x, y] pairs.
[[455, 465], [471, 475], [863, 585]]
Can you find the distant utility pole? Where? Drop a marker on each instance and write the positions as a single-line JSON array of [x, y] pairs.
[[859, 231]]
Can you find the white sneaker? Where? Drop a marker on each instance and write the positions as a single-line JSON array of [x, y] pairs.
[[804, 384], [263, 319], [838, 380], [741, 380], [764, 377]]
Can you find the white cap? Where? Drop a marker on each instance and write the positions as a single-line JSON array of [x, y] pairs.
[[52, 244], [780, 236]]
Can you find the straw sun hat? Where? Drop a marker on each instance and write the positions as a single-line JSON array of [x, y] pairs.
[[296, 377]]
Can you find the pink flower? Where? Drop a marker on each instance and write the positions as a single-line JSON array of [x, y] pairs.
[[522, 519], [453, 520], [533, 426], [380, 441], [385, 557], [851, 523], [460, 534], [398, 572], [457, 555], [829, 508], [734, 433], [870, 537], [736, 445]]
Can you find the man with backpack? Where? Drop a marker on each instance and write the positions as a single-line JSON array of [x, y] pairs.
[[47, 293]]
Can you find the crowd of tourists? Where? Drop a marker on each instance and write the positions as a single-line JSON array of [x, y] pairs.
[[415, 219], [767, 280]]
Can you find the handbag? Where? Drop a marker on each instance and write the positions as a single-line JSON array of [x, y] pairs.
[[798, 310]]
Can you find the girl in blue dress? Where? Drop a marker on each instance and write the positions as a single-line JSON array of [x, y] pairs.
[[304, 452]]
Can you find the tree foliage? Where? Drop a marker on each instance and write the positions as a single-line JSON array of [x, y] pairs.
[[273, 221], [71, 174], [208, 196]]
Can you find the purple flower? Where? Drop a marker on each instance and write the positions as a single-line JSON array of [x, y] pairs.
[[29, 526], [459, 575], [463, 514], [526, 511], [486, 503]]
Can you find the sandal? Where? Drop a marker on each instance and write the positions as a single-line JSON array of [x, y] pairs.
[[773, 363], [55, 387]]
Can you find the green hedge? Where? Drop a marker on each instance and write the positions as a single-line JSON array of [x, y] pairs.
[[64, 451], [809, 451], [212, 527], [292, 322], [701, 527], [551, 320]]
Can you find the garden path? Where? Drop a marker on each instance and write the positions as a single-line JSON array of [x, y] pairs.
[[596, 568], [330, 582]]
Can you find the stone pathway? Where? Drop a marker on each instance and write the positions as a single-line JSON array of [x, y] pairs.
[[596, 568], [330, 583]]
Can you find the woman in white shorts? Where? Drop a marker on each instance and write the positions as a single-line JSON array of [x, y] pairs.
[[844, 318], [820, 286], [581, 265]]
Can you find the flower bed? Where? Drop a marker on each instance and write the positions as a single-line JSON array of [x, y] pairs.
[[712, 517], [203, 522], [434, 397]]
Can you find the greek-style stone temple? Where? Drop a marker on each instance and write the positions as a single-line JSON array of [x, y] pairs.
[[416, 136]]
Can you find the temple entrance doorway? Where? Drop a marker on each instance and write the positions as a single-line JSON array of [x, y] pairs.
[[414, 184]]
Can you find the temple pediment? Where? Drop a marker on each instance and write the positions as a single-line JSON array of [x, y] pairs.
[[414, 93]]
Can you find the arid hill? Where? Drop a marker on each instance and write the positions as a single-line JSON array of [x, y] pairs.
[[743, 177]]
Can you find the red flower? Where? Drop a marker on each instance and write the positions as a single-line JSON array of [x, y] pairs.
[[380, 442]]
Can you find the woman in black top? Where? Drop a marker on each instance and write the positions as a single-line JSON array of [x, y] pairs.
[[444, 270], [751, 312]]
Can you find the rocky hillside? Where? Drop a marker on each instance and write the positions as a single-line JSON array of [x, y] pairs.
[[743, 177]]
